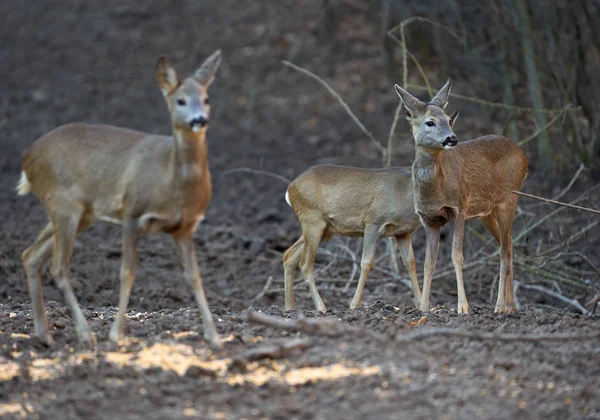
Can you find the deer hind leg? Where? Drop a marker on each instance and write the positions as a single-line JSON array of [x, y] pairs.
[[291, 258], [67, 221], [408, 259], [458, 228], [34, 258], [491, 224], [371, 236], [312, 231], [506, 216], [127, 277], [432, 235], [191, 272]]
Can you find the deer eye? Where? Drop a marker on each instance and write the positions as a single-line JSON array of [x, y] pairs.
[[181, 102], [430, 123], [206, 102]]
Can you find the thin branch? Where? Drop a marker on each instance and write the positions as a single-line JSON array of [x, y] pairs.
[[303, 324], [354, 264], [272, 351], [257, 171], [531, 338], [544, 127], [378, 145], [500, 104], [538, 222], [264, 290], [545, 290], [568, 187], [547, 200]]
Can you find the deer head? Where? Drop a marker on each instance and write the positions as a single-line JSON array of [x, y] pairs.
[[431, 127], [188, 99]]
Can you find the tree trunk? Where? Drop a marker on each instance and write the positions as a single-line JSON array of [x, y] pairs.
[[535, 91]]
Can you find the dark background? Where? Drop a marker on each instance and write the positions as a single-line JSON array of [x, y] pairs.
[[93, 61]]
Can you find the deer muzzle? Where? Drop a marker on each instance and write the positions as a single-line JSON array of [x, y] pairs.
[[450, 142], [197, 123]]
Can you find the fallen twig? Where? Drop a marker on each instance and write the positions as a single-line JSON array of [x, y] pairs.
[[264, 290], [547, 200], [591, 304], [449, 332], [257, 171], [573, 302], [273, 350], [303, 324]]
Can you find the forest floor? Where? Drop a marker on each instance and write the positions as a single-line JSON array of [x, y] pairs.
[[94, 61]]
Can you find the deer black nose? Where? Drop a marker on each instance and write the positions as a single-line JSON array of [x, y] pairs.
[[450, 141], [199, 122]]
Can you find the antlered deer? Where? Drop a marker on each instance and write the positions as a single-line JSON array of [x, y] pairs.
[[454, 182], [330, 200], [144, 182]]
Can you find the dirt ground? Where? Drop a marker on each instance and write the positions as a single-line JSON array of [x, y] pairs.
[[93, 61]]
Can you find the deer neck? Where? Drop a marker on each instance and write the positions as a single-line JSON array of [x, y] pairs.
[[189, 157], [428, 171]]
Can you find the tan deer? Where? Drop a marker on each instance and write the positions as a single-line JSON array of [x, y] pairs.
[[146, 183], [339, 200], [456, 182]]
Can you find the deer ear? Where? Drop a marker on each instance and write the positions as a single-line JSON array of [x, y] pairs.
[[412, 104], [453, 118], [206, 72], [441, 98], [166, 76]]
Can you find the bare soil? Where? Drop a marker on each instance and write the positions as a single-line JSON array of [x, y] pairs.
[[93, 61]]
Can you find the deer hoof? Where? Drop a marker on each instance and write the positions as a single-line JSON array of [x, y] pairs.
[[214, 341], [463, 308], [46, 339]]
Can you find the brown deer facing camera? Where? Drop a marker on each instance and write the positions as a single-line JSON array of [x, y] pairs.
[[454, 182], [339, 200], [146, 183]]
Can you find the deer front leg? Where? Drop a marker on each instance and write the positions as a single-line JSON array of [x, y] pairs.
[[191, 272], [408, 258], [458, 227], [371, 236], [126, 277], [432, 235]]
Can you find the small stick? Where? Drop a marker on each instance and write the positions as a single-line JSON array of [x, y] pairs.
[[257, 171], [572, 302], [449, 332], [273, 351], [547, 200], [264, 290], [568, 187], [303, 324]]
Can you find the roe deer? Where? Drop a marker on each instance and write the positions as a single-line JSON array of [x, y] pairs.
[[330, 200], [457, 182], [145, 182]]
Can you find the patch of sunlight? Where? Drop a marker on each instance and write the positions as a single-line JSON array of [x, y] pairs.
[[168, 356], [179, 358], [301, 376], [8, 369], [41, 369], [183, 334], [15, 409]]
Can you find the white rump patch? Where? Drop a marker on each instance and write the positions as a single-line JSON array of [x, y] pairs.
[[23, 187], [287, 198]]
